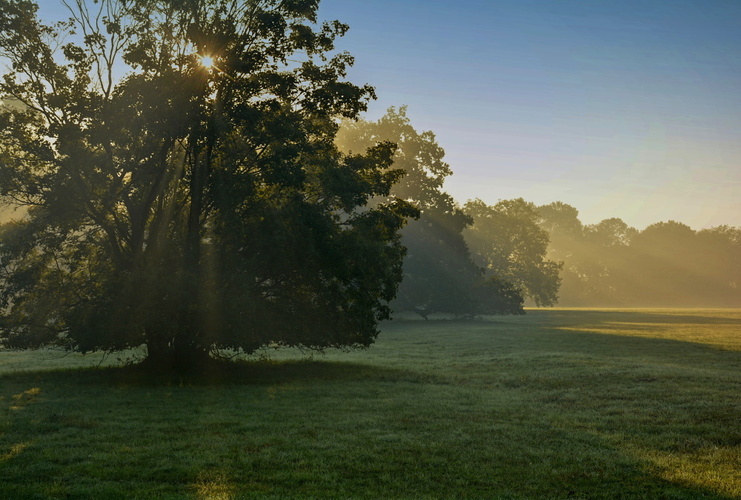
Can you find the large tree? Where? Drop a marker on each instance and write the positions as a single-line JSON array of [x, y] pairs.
[[182, 185]]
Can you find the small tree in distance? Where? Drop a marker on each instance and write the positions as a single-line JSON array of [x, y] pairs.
[[507, 241], [189, 206]]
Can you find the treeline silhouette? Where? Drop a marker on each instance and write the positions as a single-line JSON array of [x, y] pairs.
[[494, 259], [666, 264]]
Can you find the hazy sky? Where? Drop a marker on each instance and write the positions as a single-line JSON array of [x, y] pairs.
[[621, 108]]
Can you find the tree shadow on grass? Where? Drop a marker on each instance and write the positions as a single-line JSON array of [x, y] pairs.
[[226, 372]]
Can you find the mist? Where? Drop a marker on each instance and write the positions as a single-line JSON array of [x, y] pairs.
[[667, 264]]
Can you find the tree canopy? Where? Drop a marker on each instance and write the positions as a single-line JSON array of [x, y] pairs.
[[439, 273], [188, 206], [665, 264], [508, 242]]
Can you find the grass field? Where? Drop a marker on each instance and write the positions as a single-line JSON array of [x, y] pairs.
[[555, 404]]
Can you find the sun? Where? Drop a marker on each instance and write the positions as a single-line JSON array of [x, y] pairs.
[[207, 62]]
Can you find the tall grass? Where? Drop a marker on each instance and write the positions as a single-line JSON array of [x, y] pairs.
[[555, 404]]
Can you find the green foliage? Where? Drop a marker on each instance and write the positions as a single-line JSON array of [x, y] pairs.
[[508, 242], [676, 265], [418, 155], [439, 275], [666, 264], [184, 207]]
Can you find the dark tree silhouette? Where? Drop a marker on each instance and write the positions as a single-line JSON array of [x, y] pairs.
[[188, 206]]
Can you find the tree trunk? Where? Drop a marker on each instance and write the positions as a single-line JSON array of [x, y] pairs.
[[181, 355]]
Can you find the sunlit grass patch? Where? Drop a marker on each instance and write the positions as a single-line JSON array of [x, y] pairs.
[[708, 466], [14, 451], [214, 486], [712, 327]]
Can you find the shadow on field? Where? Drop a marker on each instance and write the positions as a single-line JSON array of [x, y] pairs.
[[221, 372]]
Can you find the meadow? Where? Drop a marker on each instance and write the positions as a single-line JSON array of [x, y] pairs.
[[559, 403]]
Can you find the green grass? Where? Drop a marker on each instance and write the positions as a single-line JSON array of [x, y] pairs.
[[555, 404]]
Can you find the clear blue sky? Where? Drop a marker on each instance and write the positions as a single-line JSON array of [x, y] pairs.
[[621, 108]]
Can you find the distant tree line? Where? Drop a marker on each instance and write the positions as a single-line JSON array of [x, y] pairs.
[[666, 264]]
